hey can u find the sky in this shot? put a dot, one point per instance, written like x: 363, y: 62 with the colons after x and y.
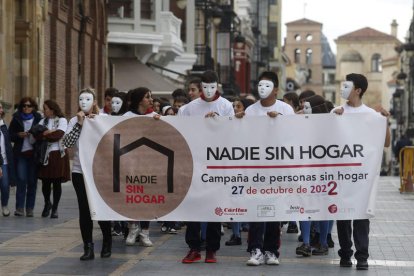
x: 340, y: 17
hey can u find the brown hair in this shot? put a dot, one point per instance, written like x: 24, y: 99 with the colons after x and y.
x: 55, y: 107
x: 27, y: 99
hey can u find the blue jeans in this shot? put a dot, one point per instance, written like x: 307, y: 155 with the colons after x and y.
x: 26, y: 182
x: 4, y: 186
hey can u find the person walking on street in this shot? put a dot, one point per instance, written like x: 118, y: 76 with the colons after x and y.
x: 352, y: 90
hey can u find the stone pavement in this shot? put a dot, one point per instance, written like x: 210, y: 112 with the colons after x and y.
x: 44, y: 246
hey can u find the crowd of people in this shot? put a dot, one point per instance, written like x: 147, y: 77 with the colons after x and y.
x: 35, y: 146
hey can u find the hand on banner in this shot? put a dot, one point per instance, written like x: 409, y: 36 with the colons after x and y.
x: 81, y: 117
x: 383, y: 112
x: 240, y: 115
x: 339, y: 111
x: 272, y: 114
x: 211, y: 114
x: 157, y: 116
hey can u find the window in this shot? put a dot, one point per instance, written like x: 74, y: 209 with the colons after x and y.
x: 121, y: 8
x: 147, y: 9
x: 309, y: 56
x: 297, y: 55
x: 309, y: 37
x: 376, y: 63
x: 297, y: 37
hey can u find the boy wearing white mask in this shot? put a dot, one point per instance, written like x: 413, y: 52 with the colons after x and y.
x: 352, y: 90
x: 209, y: 104
x: 264, y: 238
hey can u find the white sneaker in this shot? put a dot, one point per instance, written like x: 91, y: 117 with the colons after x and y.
x: 144, y: 238
x: 133, y: 233
x: 6, y: 211
x: 256, y: 257
x: 270, y: 258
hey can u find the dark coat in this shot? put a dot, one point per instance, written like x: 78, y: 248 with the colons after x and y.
x: 9, y: 155
x: 17, y: 126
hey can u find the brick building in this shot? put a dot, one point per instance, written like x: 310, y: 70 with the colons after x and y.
x: 51, y: 48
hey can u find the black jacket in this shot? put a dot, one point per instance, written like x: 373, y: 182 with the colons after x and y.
x: 17, y: 126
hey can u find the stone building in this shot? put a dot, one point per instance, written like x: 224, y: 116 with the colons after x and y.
x: 371, y: 53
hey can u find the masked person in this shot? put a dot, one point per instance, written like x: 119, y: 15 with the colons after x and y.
x: 209, y: 104
x: 109, y: 93
x: 119, y: 104
x: 88, y: 108
x: 264, y: 237
x: 352, y: 90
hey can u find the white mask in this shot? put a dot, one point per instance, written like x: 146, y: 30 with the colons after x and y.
x: 86, y: 102
x: 116, y: 104
x: 265, y: 88
x: 209, y: 89
x: 346, y: 88
x: 307, y: 109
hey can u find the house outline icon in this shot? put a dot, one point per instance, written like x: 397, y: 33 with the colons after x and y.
x: 143, y: 141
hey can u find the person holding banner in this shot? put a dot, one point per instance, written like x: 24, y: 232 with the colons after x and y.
x: 264, y: 237
x: 88, y: 108
x: 209, y: 104
x: 140, y: 105
x: 352, y: 90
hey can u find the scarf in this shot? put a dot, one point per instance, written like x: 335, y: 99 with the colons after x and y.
x: 25, y: 116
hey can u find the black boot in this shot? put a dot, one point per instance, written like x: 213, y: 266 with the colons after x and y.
x: 54, y: 213
x: 106, y: 248
x: 46, y: 209
x: 88, y: 253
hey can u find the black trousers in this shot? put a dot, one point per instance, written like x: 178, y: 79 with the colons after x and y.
x: 213, y: 235
x: 264, y: 236
x: 85, y: 221
x: 57, y: 190
x: 360, y: 233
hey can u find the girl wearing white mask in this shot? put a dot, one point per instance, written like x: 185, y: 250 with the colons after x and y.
x: 88, y: 108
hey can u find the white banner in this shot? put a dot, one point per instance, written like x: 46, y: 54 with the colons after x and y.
x: 301, y: 167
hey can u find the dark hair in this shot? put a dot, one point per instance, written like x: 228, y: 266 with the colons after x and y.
x: 306, y: 94
x: 209, y: 76
x: 360, y: 81
x: 136, y: 96
x: 329, y: 105
x: 246, y: 102
x: 270, y: 76
x: 27, y: 99
x: 196, y: 81
x: 124, y: 107
x: 181, y: 99
x: 55, y: 107
x: 294, y: 98
x: 110, y: 92
x: 178, y: 93
x: 318, y: 104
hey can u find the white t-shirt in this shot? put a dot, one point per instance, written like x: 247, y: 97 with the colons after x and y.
x: 3, y: 145
x: 350, y: 109
x: 27, y: 145
x: 221, y: 106
x: 257, y: 109
x: 61, y: 125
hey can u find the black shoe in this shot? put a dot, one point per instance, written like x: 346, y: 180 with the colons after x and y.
x: 106, y: 248
x: 88, y: 253
x: 46, y: 209
x: 331, y: 243
x: 362, y: 265
x: 233, y: 241
x: 345, y: 262
x: 322, y: 250
x: 54, y: 214
x: 292, y: 229
x: 304, y: 250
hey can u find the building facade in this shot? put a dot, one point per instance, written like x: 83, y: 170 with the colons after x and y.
x: 50, y: 49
